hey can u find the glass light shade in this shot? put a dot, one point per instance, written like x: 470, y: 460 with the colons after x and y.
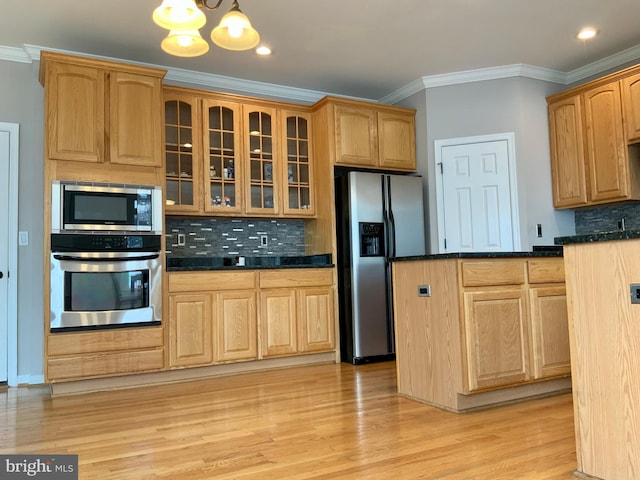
x: 179, y: 15
x: 184, y: 43
x: 235, y: 31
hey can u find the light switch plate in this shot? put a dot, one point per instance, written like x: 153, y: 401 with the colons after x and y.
x: 23, y: 238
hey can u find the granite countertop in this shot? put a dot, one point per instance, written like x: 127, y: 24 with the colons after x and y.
x: 542, y: 251
x: 598, y: 237
x: 181, y: 264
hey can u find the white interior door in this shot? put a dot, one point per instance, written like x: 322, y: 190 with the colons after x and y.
x: 8, y: 251
x: 477, y: 202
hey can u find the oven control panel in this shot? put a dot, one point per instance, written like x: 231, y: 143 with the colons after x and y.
x: 100, y: 243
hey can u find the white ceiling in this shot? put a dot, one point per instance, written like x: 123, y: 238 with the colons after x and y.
x: 359, y: 48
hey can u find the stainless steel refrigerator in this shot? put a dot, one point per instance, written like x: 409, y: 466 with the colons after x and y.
x: 378, y: 216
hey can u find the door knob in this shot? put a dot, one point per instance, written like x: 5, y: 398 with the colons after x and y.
x: 1, y: 274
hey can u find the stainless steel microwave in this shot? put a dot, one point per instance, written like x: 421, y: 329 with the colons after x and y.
x: 86, y: 207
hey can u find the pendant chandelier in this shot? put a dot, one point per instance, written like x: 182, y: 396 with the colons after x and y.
x: 184, y: 18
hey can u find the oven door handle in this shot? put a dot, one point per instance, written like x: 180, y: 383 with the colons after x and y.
x: 73, y: 258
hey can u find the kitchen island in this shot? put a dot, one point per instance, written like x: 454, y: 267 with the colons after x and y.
x: 480, y: 329
x: 603, y: 270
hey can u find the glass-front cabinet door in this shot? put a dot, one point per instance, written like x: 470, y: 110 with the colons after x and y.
x: 222, y: 162
x: 261, y: 153
x: 182, y: 153
x: 297, y: 180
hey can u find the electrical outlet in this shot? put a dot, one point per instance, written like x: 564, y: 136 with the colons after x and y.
x: 539, y: 230
x: 635, y: 293
x: 424, y: 290
x: 264, y: 240
x: 181, y: 240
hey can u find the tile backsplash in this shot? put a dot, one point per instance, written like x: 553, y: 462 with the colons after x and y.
x: 219, y: 237
x: 605, y: 218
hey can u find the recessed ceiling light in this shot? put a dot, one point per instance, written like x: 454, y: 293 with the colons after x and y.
x: 587, y: 33
x: 263, y: 50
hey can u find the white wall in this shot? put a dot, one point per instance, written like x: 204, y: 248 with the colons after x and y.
x: 22, y: 102
x: 487, y: 107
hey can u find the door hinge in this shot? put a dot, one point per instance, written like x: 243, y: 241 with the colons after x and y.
x: 445, y: 243
x: 441, y: 168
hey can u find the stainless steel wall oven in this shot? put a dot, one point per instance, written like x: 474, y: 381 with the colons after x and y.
x: 105, y: 281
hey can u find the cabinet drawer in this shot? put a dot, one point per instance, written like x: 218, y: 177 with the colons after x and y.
x: 211, y: 280
x: 296, y: 277
x: 119, y: 363
x: 546, y: 270
x: 104, y: 341
x: 492, y: 272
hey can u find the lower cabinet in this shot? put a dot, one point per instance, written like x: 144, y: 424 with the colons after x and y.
x: 496, y: 337
x: 228, y: 316
x: 212, y: 317
x: 236, y: 326
x: 82, y: 355
x: 516, y: 332
x: 296, y: 316
x: 550, y: 331
x: 190, y: 329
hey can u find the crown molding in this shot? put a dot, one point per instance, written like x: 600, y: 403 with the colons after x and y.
x: 14, y: 54
x: 31, y: 53
x: 608, y: 63
x: 478, y: 75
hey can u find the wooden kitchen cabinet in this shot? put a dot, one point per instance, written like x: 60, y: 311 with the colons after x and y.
x: 278, y: 322
x: 607, y: 159
x: 102, y: 112
x: 492, y: 329
x: 356, y: 135
x: 396, y: 141
x: 106, y: 353
x: 568, y: 176
x: 190, y: 330
x: 213, y: 317
x: 232, y: 155
x: 182, y: 152
x: 262, y: 160
x: 236, y: 326
x: 591, y: 128
x: 496, y: 337
x: 550, y: 331
x: 223, y: 171
x: 631, y: 106
x: 367, y: 135
x: 316, y: 319
x: 296, y: 312
x: 298, y: 176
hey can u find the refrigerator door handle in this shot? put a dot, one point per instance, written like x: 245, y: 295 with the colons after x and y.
x: 391, y: 224
x: 385, y: 216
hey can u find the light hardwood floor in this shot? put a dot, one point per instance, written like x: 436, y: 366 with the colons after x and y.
x: 314, y: 422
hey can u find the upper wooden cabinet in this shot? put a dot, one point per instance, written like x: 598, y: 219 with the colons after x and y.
x: 182, y: 151
x: 367, y: 135
x: 102, y: 112
x: 631, y: 106
x: 262, y: 160
x: 222, y: 138
x: 568, y: 176
x: 590, y: 129
x: 298, y: 178
x: 227, y: 155
x: 607, y: 159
